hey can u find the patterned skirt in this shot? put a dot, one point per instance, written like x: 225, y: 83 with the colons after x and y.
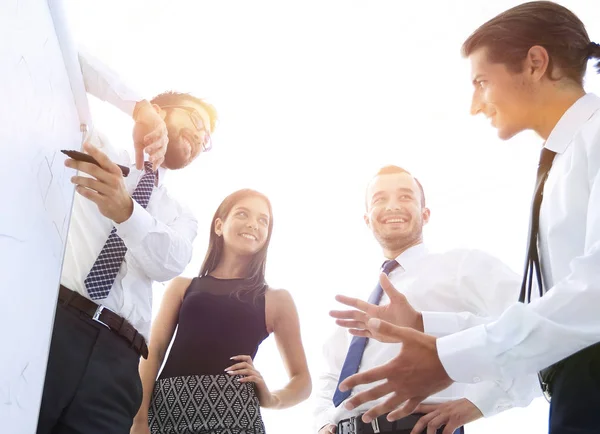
x: 204, y: 404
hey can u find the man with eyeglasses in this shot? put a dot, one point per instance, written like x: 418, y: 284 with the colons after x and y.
x: 125, y: 234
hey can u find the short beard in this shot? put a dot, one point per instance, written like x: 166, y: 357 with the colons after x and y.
x: 395, y: 244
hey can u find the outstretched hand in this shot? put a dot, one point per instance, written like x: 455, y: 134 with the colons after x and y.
x: 413, y: 375
x: 398, y: 312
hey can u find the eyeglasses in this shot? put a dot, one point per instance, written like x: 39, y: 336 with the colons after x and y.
x: 198, y: 124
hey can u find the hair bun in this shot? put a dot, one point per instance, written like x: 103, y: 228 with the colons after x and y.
x: 594, y: 50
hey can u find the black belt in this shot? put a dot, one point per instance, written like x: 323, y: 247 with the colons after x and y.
x: 355, y: 425
x: 547, y: 375
x: 106, y: 317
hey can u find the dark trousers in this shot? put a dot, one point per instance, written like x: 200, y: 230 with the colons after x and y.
x: 575, y: 403
x: 92, y: 382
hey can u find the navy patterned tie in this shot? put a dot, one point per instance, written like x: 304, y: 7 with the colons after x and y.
x: 101, y: 277
x: 359, y: 343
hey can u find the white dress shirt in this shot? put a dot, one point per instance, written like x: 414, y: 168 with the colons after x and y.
x: 158, y: 239
x: 529, y: 337
x: 455, y: 281
x: 105, y: 84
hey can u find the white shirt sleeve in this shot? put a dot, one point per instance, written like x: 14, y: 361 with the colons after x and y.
x: 334, y: 351
x: 489, y: 287
x: 493, y: 397
x: 106, y: 85
x: 440, y: 324
x: 161, y: 250
x: 528, y: 338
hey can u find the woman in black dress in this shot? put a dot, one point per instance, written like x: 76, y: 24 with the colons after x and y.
x: 209, y: 384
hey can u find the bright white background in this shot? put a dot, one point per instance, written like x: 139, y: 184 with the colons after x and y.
x: 313, y: 98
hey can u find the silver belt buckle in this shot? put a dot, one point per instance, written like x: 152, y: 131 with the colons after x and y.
x: 375, y: 426
x: 97, y: 314
x: 353, y: 427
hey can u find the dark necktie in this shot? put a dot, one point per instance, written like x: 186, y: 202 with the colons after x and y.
x: 532, y: 263
x: 101, y: 277
x: 358, y: 343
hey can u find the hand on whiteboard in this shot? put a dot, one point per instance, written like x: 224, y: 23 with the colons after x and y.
x: 106, y: 188
x: 149, y: 135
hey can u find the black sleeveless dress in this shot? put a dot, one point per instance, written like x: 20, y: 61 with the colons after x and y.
x: 193, y: 394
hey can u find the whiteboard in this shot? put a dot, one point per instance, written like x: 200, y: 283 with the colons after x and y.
x: 38, y: 117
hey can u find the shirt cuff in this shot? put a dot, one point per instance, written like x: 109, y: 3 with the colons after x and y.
x: 440, y: 324
x: 465, y: 356
x: 136, y: 227
x: 488, y: 397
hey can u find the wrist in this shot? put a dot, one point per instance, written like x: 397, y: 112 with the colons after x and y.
x: 141, y: 418
x: 127, y: 212
x: 141, y: 107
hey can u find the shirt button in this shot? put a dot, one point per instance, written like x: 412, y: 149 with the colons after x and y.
x: 476, y: 379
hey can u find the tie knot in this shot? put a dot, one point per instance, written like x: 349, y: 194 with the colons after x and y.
x: 389, y: 266
x: 148, y: 167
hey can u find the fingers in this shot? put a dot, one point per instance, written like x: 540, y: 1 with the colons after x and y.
x: 384, y: 331
x: 243, y: 358
x: 156, y: 136
x: 251, y: 379
x: 427, y: 408
x: 367, y: 395
x: 405, y: 409
x: 385, y: 407
x: 435, y: 423
x: 91, y: 184
x: 354, y: 302
x: 91, y: 169
x: 423, y: 422
x: 365, y: 333
x: 89, y: 194
x: 389, y: 289
x: 242, y: 365
x: 102, y: 159
x: 139, y: 158
x: 351, y: 324
x: 246, y: 372
x: 156, y: 151
x: 245, y: 362
x: 450, y: 427
x: 349, y: 314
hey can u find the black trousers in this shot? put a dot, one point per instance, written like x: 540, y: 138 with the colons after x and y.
x: 92, y: 382
x: 575, y: 403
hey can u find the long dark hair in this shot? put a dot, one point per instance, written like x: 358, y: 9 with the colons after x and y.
x: 509, y: 36
x: 255, y: 279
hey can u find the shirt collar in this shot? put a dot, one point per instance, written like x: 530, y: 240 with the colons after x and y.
x: 412, y: 255
x: 570, y: 122
x: 161, y: 172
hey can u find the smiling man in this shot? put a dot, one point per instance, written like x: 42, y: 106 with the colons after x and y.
x: 528, y: 65
x: 454, y: 281
x: 125, y: 234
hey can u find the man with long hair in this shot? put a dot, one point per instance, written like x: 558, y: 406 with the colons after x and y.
x: 528, y: 65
